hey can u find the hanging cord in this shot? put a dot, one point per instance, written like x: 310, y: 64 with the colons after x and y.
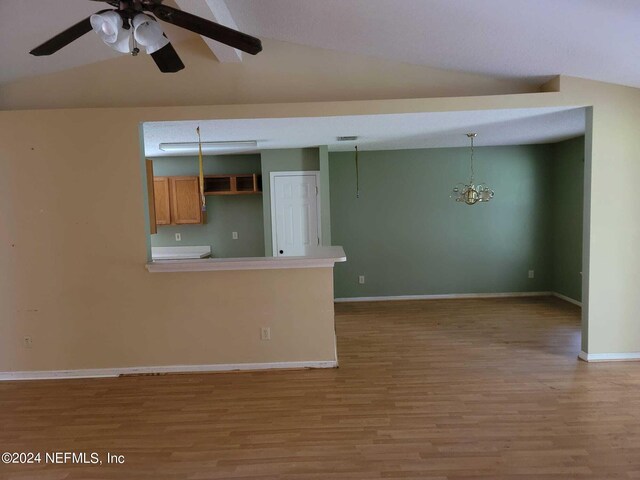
x: 471, y: 136
x: 201, y: 175
x: 357, y: 176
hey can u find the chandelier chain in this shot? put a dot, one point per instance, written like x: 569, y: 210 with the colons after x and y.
x: 472, y: 161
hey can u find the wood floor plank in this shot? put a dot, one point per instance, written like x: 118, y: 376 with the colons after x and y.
x: 437, y: 390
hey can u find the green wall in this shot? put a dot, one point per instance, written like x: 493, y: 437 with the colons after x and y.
x: 282, y: 160
x: 408, y: 237
x: 225, y: 214
x: 568, y: 193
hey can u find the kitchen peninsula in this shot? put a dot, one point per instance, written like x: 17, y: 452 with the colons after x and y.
x: 319, y: 258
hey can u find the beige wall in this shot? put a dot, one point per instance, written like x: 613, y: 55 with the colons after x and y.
x: 613, y: 231
x: 72, y: 243
x: 283, y: 72
x: 72, y: 255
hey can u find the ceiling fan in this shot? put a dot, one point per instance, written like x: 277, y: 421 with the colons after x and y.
x: 127, y: 27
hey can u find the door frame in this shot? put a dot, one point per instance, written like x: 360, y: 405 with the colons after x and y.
x: 272, y: 199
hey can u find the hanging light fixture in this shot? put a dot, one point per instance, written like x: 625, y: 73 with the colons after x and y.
x: 471, y: 193
x: 124, y: 35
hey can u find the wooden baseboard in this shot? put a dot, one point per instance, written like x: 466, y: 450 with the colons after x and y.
x: 116, y: 372
x: 443, y: 296
x: 609, y: 357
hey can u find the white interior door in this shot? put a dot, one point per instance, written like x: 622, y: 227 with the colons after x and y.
x: 295, y: 213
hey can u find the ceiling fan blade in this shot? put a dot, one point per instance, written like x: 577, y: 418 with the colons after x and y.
x: 113, y: 3
x: 167, y: 59
x: 64, y: 38
x: 209, y: 29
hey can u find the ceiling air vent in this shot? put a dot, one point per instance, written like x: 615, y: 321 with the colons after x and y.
x: 348, y: 138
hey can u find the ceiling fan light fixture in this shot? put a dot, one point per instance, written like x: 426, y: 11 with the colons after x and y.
x: 110, y: 29
x: 116, y: 28
x: 148, y: 33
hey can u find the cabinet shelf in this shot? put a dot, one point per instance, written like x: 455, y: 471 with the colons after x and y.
x: 239, y: 184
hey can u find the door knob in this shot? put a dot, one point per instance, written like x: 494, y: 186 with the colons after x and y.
x: 281, y: 252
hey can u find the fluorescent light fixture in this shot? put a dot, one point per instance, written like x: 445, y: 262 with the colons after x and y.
x: 193, y: 146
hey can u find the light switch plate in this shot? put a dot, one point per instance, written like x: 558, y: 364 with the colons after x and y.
x: 178, y: 237
x: 234, y: 235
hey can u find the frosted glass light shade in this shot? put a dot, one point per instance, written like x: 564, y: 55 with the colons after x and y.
x: 108, y: 26
x: 148, y: 33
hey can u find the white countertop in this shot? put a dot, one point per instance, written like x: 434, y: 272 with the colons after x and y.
x: 179, y: 253
x: 320, y: 257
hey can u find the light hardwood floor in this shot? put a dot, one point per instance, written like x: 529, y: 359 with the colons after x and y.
x: 440, y: 389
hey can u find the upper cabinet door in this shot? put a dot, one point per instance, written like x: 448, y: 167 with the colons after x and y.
x: 162, y: 200
x: 185, y: 200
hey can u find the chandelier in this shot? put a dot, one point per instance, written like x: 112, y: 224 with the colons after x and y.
x: 471, y: 193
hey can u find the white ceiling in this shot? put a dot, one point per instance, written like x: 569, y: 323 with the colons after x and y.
x: 596, y: 39
x: 379, y: 132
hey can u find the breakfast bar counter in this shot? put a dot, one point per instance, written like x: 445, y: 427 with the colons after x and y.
x: 321, y: 257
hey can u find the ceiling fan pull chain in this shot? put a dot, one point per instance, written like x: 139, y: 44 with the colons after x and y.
x: 135, y: 50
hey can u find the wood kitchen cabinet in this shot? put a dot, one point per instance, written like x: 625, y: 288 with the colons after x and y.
x: 162, y: 200
x: 238, y: 184
x: 185, y: 200
x: 177, y: 200
x: 151, y: 202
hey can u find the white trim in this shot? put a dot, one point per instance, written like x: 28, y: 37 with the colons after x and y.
x: 609, y: 357
x: 115, y: 372
x: 443, y: 296
x: 566, y: 299
x: 322, y: 257
x: 272, y: 183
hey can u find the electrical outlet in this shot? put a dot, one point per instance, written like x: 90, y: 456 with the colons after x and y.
x: 234, y: 235
x: 531, y: 274
x: 265, y: 333
x: 27, y: 341
x: 361, y: 279
x: 178, y: 237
